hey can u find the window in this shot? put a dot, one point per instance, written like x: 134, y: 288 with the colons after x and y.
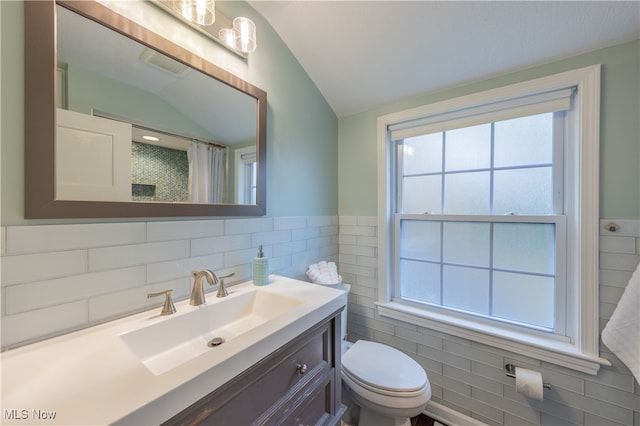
x: 465, y: 201
x: 489, y: 216
x: 246, y: 175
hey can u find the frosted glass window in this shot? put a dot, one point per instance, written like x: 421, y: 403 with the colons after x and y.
x: 469, y: 258
x: 467, y: 193
x: 523, y: 191
x: 420, y: 240
x: 525, y: 247
x: 422, y: 154
x: 527, y: 299
x: 421, y: 194
x: 468, y: 148
x: 466, y: 243
x: 420, y: 281
x: 466, y: 289
x: 523, y: 141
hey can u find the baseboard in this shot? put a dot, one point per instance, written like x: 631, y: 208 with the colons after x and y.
x: 449, y: 416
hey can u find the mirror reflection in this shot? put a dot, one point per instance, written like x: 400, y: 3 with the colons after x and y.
x: 136, y: 125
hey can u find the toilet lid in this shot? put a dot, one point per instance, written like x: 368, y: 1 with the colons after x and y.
x: 383, y: 367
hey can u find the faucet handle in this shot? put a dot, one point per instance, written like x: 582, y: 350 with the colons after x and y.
x: 168, y: 307
x: 222, y: 290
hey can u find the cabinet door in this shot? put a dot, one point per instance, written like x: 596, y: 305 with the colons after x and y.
x: 93, y: 158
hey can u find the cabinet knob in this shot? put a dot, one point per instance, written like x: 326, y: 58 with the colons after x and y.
x: 301, y: 368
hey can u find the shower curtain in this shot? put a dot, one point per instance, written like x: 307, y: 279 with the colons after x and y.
x: 207, y: 171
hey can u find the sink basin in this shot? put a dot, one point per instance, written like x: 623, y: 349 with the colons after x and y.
x: 179, y: 338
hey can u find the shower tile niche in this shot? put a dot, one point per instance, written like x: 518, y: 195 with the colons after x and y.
x: 159, y: 173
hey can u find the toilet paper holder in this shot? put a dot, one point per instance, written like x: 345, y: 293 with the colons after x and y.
x: 511, y: 372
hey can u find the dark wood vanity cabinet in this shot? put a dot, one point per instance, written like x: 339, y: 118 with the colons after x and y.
x: 298, y: 384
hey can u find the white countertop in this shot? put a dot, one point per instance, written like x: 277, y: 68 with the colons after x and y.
x: 90, y: 377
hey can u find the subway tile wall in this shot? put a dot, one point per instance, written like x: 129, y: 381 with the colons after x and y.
x: 60, y: 278
x: 469, y: 377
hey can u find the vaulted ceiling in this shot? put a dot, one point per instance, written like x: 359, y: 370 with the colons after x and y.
x: 362, y: 54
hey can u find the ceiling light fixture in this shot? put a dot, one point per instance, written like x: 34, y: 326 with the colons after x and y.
x: 242, y: 36
x: 245, y: 34
x: 238, y: 35
x: 201, y: 12
x: 228, y: 37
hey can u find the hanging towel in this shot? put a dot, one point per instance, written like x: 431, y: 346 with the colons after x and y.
x: 622, y: 332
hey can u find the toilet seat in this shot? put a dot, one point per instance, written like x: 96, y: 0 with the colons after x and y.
x: 384, y: 370
x: 355, y: 382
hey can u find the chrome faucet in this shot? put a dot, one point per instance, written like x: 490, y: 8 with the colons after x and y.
x: 197, y: 293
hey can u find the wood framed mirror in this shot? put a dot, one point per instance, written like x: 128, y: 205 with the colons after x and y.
x: 43, y: 195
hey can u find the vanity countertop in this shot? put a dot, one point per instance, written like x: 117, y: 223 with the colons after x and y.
x: 90, y: 377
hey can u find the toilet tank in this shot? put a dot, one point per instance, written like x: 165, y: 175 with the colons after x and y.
x: 343, y: 316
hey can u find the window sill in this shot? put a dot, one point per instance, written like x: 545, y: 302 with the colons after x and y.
x: 559, y: 353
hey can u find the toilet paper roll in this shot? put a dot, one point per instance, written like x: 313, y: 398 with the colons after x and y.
x: 529, y: 383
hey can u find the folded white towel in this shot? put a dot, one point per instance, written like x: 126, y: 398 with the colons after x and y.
x: 324, y: 273
x: 622, y: 332
x: 314, y: 273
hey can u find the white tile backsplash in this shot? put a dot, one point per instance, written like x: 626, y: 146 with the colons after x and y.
x: 289, y: 223
x: 609, y: 244
x: 222, y: 244
x: 114, y: 305
x: 177, y: 230
x: 248, y: 226
x: 171, y: 269
x: 48, y: 238
x: 271, y: 237
x: 138, y: 254
x: 33, y: 267
x: 40, y: 294
x: 57, y: 278
x: 42, y: 323
x: 3, y: 241
x: 290, y: 247
x: 321, y: 221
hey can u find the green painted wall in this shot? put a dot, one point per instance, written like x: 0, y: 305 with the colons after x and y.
x: 302, y: 130
x: 87, y: 90
x: 619, y: 133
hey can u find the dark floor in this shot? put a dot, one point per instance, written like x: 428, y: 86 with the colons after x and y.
x: 422, y: 420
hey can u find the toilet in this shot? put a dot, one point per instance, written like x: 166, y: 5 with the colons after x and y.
x: 380, y: 384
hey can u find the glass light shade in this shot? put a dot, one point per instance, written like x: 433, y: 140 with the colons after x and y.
x: 245, y: 31
x: 228, y: 37
x: 201, y: 12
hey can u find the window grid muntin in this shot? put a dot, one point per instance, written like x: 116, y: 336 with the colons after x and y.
x: 558, y: 135
x: 559, y: 222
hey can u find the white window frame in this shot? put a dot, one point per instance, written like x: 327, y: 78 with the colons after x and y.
x: 582, y: 199
x: 243, y: 188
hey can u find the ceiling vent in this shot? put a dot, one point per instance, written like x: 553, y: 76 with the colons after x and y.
x: 163, y: 62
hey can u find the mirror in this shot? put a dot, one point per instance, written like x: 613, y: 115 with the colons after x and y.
x: 64, y: 173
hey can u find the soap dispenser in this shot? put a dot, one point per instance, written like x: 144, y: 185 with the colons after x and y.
x: 260, y: 268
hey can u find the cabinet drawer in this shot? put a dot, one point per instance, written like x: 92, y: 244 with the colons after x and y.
x: 281, y: 377
x: 311, y: 406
